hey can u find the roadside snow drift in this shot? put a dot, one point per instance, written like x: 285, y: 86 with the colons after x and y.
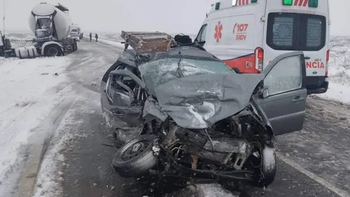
x: 29, y: 91
x: 339, y: 70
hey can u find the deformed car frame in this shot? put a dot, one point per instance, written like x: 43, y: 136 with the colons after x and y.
x: 182, y: 112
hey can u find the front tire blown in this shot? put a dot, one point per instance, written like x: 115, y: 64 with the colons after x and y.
x: 136, y: 157
x: 266, y: 172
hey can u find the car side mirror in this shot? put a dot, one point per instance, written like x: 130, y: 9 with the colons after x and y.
x: 264, y: 92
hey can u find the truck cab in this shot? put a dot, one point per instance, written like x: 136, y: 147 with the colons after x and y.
x: 248, y: 34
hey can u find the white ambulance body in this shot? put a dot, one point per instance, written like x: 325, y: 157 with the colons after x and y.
x: 248, y: 34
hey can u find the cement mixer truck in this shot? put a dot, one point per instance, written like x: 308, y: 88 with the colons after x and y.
x: 51, y: 25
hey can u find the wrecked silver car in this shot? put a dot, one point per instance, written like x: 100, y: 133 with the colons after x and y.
x: 180, y: 111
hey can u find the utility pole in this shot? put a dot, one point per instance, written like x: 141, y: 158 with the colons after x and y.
x: 3, y: 18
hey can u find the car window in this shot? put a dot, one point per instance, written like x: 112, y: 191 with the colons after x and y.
x: 285, y: 76
x: 161, y: 71
x: 292, y: 31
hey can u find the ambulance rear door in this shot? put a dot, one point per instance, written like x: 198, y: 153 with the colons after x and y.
x: 298, y: 25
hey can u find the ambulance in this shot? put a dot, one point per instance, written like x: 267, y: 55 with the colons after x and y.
x: 248, y: 34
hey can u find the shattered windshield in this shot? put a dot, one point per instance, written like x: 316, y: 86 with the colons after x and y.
x: 161, y: 71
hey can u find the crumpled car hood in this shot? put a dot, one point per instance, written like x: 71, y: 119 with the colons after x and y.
x: 199, y: 101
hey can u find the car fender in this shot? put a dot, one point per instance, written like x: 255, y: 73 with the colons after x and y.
x: 50, y: 43
x: 260, y: 112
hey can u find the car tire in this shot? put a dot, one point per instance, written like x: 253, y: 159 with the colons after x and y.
x: 136, y: 157
x: 265, y: 174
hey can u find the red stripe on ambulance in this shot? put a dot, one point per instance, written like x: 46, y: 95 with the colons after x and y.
x: 301, y: 3
x: 305, y: 2
x: 243, y: 2
x: 245, y: 64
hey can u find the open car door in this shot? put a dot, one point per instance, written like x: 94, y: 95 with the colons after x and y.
x: 283, y: 97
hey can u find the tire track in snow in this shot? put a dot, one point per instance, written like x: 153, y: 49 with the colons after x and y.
x: 39, y: 146
x: 10, y: 129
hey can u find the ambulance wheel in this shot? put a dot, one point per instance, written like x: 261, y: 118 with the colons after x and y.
x: 52, y: 51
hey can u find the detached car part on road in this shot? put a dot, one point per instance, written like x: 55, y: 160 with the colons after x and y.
x: 182, y: 112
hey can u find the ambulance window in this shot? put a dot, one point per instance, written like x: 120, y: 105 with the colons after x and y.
x: 202, y: 33
x: 297, y: 32
x: 283, y: 31
x: 313, y: 35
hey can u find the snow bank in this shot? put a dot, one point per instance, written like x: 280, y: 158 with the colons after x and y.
x: 27, y: 96
x: 20, y: 39
x: 50, y: 176
x: 339, y: 70
x: 112, y: 43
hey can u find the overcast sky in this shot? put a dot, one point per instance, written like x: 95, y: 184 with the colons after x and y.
x: 172, y: 16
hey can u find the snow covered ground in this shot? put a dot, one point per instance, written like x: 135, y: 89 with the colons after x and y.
x: 339, y: 70
x: 28, y: 94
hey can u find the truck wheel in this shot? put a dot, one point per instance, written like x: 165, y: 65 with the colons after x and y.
x: 52, y: 51
x: 136, y: 157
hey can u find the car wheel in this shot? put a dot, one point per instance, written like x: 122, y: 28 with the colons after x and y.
x: 136, y: 157
x: 266, y: 172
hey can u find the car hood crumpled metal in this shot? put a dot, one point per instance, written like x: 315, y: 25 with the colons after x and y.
x: 199, y: 101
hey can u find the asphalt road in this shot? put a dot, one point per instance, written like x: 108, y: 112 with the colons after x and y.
x: 312, y: 162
